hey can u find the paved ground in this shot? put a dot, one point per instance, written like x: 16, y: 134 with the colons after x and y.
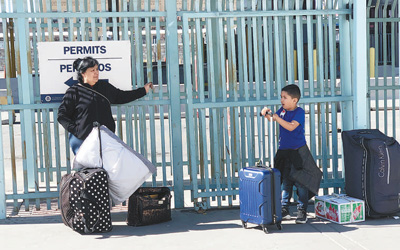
x: 214, y: 229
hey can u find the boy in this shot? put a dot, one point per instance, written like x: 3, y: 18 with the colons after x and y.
x: 292, y: 149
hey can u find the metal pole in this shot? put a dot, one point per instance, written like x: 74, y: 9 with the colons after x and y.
x: 26, y: 96
x: 345, y: 69
x: 175, y: 107
x: 360, y: 65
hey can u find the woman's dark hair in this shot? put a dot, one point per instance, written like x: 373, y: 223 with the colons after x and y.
x: 293, y: 91
x: 81, y: 65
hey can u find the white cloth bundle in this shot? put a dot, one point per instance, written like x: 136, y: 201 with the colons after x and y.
x: 127, y: 170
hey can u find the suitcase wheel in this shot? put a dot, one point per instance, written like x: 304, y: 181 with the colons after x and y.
x: 279, y: 226
x: 265, y: 229
x: 244, y: 224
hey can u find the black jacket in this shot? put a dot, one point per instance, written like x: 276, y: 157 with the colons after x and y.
x: 299, y: 165
x: 83, y: 104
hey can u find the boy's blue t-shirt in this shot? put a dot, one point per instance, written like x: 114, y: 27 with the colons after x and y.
x: 292, y: 139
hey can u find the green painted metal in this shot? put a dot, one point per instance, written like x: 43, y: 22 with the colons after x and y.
x: 360, y: 62
x: 383, y: 66
x: 262, y: 42
x: 235, y: 59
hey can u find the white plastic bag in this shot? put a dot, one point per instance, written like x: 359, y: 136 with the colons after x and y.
x: 127, y: 170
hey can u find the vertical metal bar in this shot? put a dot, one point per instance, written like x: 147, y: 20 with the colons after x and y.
x: 8, y: 49
x: 47, y: 151
x: 310, y: 55
x: 377, y: 48
x: 213, y: 60
x: 394, y: 28
x: 71, y: 28
x: 278, y: 52
x: 369, y: 59
x: 360, y: 69
x: 300, y: 52
x: 104, y: 21
x: 323, y: 132
x: 242, y: 59
x: 49, y: 22
x: 201, y: 112
x: 289, y: 46
x: 345, y: 68
x: 160, y: 96
x: 25, y: 77
x: 246, y: 122
x: 149, y: 64
x: 3, y: 204
x: 226, y: 144
x: 385, y: 62
x: 115, y: 29
x: 256, y: 80
x: 190, y: 116
x: 175, y: 109
x: 93, y: 21
x: 125, y: 32
x: 332, y: 49
x: 233, y: 91
x: 57, y: 147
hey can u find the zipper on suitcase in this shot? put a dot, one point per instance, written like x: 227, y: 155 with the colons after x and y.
x: 363, y: 174
x: 388, y: 161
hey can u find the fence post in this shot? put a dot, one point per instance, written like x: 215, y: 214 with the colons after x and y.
x: 175, y: 107
x: 3, y: 207
x: 345, y: 69
x: 25, y: 83
x: 360, y: 88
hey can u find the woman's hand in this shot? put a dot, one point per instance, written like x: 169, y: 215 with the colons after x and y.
x: 148, y: 86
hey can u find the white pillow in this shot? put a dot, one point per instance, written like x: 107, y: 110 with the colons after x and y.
x: 127, y: 170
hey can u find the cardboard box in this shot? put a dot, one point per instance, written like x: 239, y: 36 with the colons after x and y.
x: 340, y: 209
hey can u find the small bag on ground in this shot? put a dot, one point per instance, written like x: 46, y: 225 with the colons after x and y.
x: 149, y: 205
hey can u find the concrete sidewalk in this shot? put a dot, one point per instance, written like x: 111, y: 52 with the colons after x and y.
x: 214, y: 229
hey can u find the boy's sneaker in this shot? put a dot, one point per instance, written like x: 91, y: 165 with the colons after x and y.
x: 285, y: 214
x: 301, y: 217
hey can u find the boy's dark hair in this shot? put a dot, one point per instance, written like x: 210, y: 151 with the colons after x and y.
x: 292, y: 90
x: 81, y: 65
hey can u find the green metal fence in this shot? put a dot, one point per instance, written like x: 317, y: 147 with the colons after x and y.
x: 217, y: 63
x: 248, y: 57
x: 383, y: 71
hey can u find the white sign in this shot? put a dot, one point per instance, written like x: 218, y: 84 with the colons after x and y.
x: 56, y: 65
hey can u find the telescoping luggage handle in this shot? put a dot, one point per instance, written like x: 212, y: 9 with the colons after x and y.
x: 97, y: 125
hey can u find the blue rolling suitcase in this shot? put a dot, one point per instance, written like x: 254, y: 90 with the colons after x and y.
x: 260, y: 195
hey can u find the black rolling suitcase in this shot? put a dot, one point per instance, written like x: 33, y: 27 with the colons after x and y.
x: 85, y: 201
x: 372, y: 170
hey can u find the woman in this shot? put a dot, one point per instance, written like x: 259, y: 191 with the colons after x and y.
x: 90, y: 101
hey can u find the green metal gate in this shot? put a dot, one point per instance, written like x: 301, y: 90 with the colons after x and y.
x: 216, y: 64
x: 383, y: 60
x: 34, y: 149
x: 237, y: 58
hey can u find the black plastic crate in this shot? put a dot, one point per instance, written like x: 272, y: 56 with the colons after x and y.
x: 149, y: 205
